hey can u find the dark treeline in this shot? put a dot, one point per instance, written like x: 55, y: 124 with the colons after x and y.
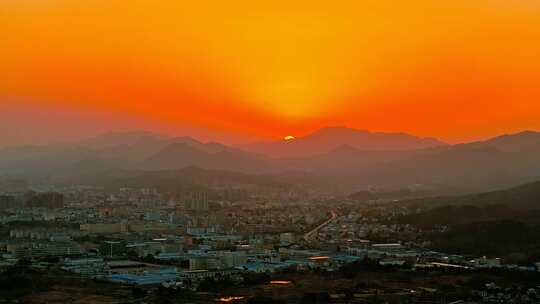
x: 468, y: 214
x: 508, y: 238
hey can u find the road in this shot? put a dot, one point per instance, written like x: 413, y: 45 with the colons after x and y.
x: 311, y: 233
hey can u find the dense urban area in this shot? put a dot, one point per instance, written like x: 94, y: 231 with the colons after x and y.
x: 88, y: 244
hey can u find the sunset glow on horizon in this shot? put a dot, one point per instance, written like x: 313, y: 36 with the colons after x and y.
x: 450, y: 69
x: 289, y: 137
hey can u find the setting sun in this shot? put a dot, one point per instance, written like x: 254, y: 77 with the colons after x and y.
x: 289, y: 137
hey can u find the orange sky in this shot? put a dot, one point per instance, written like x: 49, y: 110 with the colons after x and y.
x: 456, y: 70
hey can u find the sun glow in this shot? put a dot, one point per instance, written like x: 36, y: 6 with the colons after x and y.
x: 289, y: 137
x: 284, y: 67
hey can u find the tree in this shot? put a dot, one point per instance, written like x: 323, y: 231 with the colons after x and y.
x: 139, y: 293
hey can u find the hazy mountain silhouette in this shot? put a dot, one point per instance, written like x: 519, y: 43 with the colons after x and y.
x: 327, y: 139
x: 344, y: 157
x: 29, y: 160
x: 494, y: 163
x: 115, y: 139
x: 522, y: 197
x: 140, y: 145
x: 214, y: 156
x: 522, y: 141
x: 349, y: 167
x: 174, y: 181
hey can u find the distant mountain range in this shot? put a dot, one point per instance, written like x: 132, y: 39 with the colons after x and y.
x: 210, y: 156
x: 328, y: 139
x: 177, y: 181
x: 522, y: 197
x: 333, y: 159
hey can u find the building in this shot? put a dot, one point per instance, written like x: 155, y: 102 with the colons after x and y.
x: 263, y: 267
x: 485, y: 262
x: 7, y: 202
x: 196, y: 201
x: 146, y: 278
x: 200, y: 230
x: 199, y: 275
x: 217, y: 260
x: 104, y: 228
x: 45, y: 234
x: 286, y: 238
x: 390, y: 247
x: 86, y: 267
x: 51, y: 200
x: 145, y: 226
x: 13, y: 185
x: 43, y: 248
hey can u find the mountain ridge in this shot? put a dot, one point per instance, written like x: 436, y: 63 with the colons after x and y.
x: 327, y: 139
x: 483, y: 165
